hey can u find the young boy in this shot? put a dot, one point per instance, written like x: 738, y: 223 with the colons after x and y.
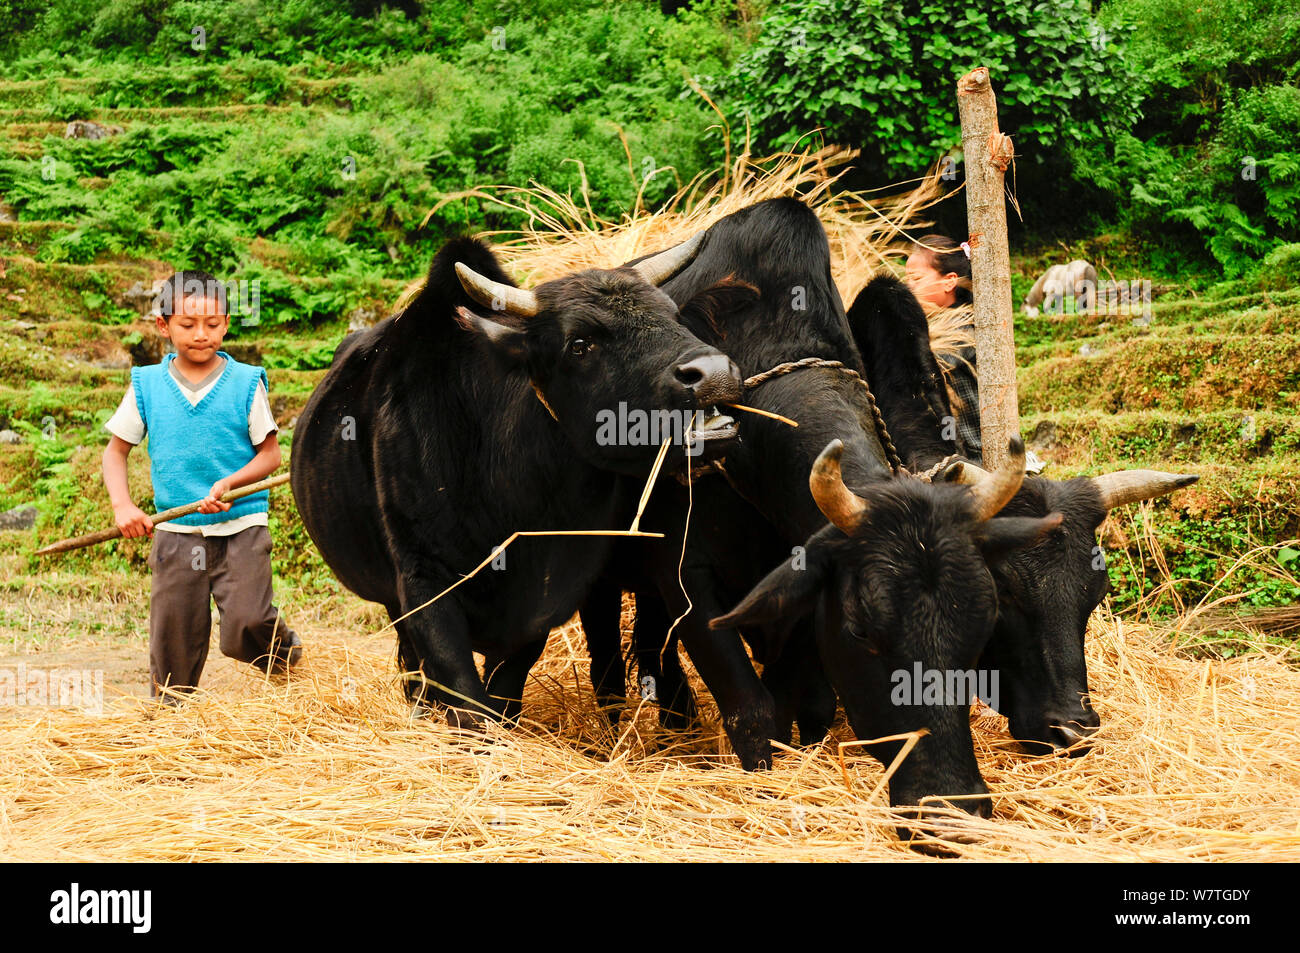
x: 210, y: 431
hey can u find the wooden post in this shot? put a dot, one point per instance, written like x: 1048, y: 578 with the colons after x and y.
x: 987, y: 154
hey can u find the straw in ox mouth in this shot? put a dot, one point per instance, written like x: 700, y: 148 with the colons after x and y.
x: 713, y: 425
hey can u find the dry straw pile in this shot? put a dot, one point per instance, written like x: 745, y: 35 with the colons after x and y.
x: 1195, y: 760
x: 866, y: 230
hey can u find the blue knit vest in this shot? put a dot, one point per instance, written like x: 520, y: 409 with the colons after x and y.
x: 191, y: 447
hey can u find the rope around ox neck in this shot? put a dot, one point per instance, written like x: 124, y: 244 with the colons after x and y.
x: 882, y: 432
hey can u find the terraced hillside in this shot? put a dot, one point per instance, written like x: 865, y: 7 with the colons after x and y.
x: 1206, y: 386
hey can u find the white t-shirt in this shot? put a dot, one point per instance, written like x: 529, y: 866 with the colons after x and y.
x: 127, y: 423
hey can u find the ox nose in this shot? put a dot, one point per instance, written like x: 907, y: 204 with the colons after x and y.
x: 713, y: 378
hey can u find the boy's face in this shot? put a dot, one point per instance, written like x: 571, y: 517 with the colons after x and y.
x: 196, y: 328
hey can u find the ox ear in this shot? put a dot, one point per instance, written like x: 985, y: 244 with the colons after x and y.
x: 787, y: 593
x: 711, y: 307
x: 508, y: 343
x: 1003, y: 535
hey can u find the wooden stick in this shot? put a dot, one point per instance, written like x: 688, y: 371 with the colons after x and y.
x: 104, y: 535
x: 987, y: 153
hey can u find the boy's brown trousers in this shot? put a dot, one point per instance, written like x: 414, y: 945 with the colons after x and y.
x: 188, y: 569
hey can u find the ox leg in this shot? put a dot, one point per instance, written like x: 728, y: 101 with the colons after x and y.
x: 748, y: 713
x: 800, y: 688
x: 780, y: 677
x: 814, y: 697
x: 600, y: 615
x: 657, y: 659
x: 506, y: 676
x: 434, y: 642
x: 816, y: 711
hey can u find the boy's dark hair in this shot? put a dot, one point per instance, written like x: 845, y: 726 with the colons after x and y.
x: 948, y: 256
x: 188, y: 284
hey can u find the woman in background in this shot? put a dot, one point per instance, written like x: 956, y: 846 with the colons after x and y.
x: 938, y: 272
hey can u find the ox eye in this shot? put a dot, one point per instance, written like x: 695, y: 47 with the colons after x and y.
x: 579, y: 347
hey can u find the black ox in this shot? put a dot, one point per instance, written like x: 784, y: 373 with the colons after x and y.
x: 1046, y: 592
x: 440, y: 431
x: 900, y: 575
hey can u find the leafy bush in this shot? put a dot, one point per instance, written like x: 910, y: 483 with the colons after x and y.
x: 882, y: 76
x: 1235, y: 196
x: 1213, y: 167
x: 1280, y: 270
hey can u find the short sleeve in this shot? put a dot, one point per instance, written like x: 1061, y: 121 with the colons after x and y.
x: 261, y: 421
x: 126, y: 422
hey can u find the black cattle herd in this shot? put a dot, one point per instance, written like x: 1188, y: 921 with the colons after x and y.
x: 471, y: 414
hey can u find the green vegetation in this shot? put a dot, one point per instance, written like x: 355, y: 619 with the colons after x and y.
x: 1179, y: 123
x: 881, y: 76
x: 1214, y: 162
x: 307, y: 145
x: 331, y: 150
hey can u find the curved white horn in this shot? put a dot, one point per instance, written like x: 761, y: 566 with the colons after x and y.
x: 837, y: 502
x: 964, y: 472
x: 1130, y: 486
x: 664, y: 265
x: 494, y: 294
x: 995, y: 490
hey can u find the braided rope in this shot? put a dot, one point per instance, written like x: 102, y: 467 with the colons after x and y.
x: 929, y: 475
x: 882, y: 432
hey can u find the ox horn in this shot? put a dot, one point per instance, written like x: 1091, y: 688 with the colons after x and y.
x: 1130, y: 486
x: 838, y: 503
x: 495, y: 294
x: 993, y: 490
x: 659, y: 268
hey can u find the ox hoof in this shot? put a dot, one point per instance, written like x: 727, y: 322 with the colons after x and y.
x: 1064, y: 739
x: 750, y: 733
x: 1074, y: 739
x: 754, y: 755
x: 419, y: 713
x: 940, y: 834
x: 467, y: 721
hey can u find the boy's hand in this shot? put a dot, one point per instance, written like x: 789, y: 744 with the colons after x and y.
x: 212, y: 502
x: 132, y: 521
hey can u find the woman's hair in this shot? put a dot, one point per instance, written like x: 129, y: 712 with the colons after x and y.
x: 948, y: 256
